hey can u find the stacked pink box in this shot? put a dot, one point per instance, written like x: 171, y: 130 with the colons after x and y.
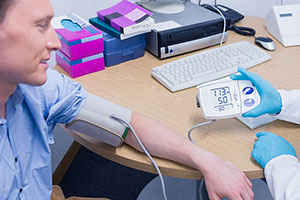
x: 82, y: 46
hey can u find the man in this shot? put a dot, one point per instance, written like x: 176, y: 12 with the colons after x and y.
x: 276, y: 155
x: 34, y: 98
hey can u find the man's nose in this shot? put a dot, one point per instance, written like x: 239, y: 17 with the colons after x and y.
x: 53, y: 42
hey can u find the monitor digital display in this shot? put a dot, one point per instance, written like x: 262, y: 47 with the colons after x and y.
x: 221, y: 98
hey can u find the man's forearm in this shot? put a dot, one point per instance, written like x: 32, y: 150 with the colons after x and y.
x: 164, y: 142
x: 222, y: 179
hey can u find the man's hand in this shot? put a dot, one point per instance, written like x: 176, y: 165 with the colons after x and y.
x: 223, y: 179
x: 269, y: 146
x: 270, y: 99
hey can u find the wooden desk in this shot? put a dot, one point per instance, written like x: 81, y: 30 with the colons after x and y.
x: 130, y: 84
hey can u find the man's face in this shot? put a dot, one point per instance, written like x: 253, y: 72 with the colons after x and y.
x: 26, y: 40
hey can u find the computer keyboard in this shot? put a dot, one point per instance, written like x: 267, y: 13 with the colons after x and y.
x: 208, y: 65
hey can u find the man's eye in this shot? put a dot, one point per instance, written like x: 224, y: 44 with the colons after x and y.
x: 43, y: 26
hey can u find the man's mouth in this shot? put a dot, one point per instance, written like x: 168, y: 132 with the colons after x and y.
x: 44, y: 61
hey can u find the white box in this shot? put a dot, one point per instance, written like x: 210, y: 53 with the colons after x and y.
x: 254, y: 122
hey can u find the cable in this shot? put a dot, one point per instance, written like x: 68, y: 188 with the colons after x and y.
x: 196, y: 126
x: 146, y: 152
x: 224, y: 23
x: 246, y: 31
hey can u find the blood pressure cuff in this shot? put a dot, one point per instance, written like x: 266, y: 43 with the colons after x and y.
x: 94, y: 120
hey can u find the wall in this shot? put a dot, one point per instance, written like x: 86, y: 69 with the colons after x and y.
x: 88, y: 8
x: 250, y: 7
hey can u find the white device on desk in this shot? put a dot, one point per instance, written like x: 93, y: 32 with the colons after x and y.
x: 227, y: 98
x: 283, y: 22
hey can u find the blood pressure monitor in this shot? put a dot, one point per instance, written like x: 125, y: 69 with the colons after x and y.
x: 226, y: 98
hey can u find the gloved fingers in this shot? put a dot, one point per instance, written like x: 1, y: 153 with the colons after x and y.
x: 267, y: 105
x: 254, y: 145
x: 254, y: 150
x: 250, y: 114
x: 254, y: 78
x: 259, y: 134
x: 254, y: 154
x: 245, y: 75
x: 243, y: 71
x: 284, y: 140
x: 255, y: 112
x: 238, y: 77
x: 257, y: 157
x: 257, y: 146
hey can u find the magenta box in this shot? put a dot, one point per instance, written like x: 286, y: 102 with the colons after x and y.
x: 123, y: 14
x: 81, y: 66
x: 79, y: 39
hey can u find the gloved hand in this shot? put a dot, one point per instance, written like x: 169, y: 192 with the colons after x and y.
x: 269, y: 146
x: 270, y: 99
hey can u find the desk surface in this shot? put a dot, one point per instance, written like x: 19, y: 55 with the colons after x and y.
x: 130, y: 84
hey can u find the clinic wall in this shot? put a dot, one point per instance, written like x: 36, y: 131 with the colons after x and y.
x: 88, y: 8
x: 84, y: 8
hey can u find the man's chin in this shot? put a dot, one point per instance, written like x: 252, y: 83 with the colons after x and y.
x: 40, y: 83
x: 41, y: 80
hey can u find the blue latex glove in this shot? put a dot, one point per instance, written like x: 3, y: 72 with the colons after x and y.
x: 269, y: 146
x: 270, y: 99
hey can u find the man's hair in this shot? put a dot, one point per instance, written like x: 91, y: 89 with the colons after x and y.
x: 4, y: 5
